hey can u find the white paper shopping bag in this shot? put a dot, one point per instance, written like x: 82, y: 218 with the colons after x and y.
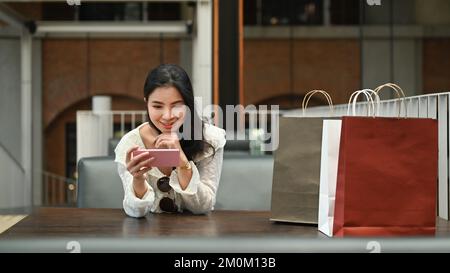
x: 331, y: 136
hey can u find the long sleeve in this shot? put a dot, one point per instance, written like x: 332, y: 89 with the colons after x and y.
x: 200, y: 195
x: 132, y: 205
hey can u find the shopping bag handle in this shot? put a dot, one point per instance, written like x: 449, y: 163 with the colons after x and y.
x: 311, y: 93
x: 398, y: 91
x: 368, y: 93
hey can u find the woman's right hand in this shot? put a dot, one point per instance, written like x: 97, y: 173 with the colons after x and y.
x: 138, y: 165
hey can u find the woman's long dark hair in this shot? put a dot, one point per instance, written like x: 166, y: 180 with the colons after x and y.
x: 171, y: 75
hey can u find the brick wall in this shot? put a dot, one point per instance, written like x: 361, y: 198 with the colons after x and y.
x: 436, y: 65
x: 55, y: 137
x: 331, y: 65
x: 31, y: 11
x: 118, y: 68
x: 75, y: 69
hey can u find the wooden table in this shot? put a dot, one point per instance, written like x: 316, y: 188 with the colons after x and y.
x: 104, y: 230
x: 7, y: 221
x: 74, y: 222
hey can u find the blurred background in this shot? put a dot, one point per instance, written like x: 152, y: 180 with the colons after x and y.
x: 71, y: 76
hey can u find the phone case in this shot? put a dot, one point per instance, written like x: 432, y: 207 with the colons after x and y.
x: 163, y: 157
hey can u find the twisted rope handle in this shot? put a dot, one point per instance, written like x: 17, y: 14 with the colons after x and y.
x: 312, y: 93
x: 398, y: 91
x: 368, y: 93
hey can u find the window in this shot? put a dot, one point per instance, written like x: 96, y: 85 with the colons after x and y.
x: 344, y: 12
x: 101, y: 12
x: 164, y: 11
x: 111, y: 11
x: 283, y: 12
x: 58, y: 11
x: 300, y: 12
x: 71, y: 150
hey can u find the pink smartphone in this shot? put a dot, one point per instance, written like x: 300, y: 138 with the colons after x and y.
x: 163, y: 157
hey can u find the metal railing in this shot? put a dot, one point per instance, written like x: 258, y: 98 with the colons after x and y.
x: 96, y: 128
x: 58, y: 190
x: 133, y: 117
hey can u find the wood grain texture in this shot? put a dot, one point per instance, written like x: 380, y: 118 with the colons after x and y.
x: 7, y: 221
x: 114, y: 223
x: 74, y: 222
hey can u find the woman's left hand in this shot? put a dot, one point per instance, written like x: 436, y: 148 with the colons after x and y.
x: 167, y: 141
x: 170, y: 141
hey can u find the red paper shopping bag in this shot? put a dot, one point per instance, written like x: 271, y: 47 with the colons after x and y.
x: 387, y: 176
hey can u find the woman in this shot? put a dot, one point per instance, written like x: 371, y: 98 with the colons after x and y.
x: 193, y: 184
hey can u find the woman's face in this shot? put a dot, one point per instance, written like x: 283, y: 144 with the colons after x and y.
x: 166, y: 109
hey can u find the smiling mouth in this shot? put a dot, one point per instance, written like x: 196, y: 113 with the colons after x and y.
x: 167, y: 126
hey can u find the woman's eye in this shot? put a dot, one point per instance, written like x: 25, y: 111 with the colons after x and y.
x: 179, y: 106
x: 157, y: 106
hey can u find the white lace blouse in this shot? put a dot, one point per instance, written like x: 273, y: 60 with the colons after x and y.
x: 199, y: 196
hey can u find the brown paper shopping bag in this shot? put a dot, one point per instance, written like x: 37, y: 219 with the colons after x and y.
x: 296, y: 175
